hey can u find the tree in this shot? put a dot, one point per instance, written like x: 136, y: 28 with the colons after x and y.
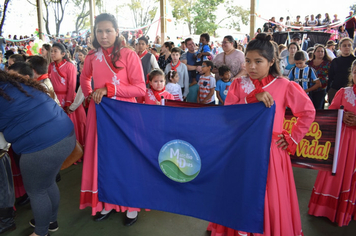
x: 353, y: 8
x: 3, y: 13
x: 182, y: 12
x: 204, y: 19
x: 83, y: 14
x: 58, y: 7
x: 81, y: 6
x: 143, y: 12
x: 236, y: 14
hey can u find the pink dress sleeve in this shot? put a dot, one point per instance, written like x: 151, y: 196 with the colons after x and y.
x: 71, y: 83
x: 136, y: 84
x: 302, y: 107
x: 49, y: 70
x: 337, y: 101
x: 85, y: 76
x: 141, y: 99
x: 233, y: 94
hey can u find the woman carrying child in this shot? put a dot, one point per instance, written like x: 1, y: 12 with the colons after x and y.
x: 334, y: 197
x: 281, y: 212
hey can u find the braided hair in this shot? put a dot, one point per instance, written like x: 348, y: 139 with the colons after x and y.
x: 17, y: 81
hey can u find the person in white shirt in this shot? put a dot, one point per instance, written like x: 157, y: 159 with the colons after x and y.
x: 330, y: 48
x: 172, y: 86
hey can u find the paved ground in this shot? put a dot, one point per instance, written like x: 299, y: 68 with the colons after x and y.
x: 73, y: 221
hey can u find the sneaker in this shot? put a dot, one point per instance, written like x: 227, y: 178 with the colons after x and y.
x: 53, y: 226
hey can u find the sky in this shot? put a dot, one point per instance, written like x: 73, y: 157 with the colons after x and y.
x: 22, y: 19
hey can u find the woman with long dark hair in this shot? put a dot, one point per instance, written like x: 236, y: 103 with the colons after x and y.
x: 46, y: 52
x: 334, y: 196
x: 321, y: 64
x: 43, y: 135
x: 165, y: 57
x: 117, y: 73
x: 265, y: 84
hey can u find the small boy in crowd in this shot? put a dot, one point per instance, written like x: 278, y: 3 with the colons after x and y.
x: 222, y: 86
x: 303, y: 75
x: 207, y: 84
x: 204, y: 49
x: 148, y: 60
x: 181, y: 69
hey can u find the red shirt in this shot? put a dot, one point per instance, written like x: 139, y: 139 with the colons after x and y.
x: 351, y: 23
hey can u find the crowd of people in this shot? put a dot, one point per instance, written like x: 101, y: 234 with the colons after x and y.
x: 54, y: 95
x: 335, y: 27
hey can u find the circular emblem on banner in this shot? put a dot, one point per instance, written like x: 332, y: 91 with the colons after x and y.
x: 179, y: 161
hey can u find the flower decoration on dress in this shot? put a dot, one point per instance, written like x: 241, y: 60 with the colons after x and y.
x: 99, y: 55
x: 63, y: 81
x: 151, y: 95
x: 350, y: 96
x: 247, y: 85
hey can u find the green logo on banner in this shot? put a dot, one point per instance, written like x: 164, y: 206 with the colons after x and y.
x: 179, y: 161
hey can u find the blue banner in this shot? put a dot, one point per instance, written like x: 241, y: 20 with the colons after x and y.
x: 210, y: 163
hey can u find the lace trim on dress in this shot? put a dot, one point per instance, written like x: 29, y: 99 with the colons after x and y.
x: 99, y: 55
x: 350, y: 96
x: 247, y: 85
x: 151, y: 95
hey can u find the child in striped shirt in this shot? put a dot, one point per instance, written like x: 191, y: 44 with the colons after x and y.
x: 303, y: 75
x: 207, y: 84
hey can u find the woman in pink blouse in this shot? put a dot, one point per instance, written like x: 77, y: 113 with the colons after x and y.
x: 117, y: 74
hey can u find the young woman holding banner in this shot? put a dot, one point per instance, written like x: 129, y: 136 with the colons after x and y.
x: 334, y: 197
x: 117, y: 73
x: 264, y: 84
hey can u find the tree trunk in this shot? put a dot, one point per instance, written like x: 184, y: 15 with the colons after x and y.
x: 80, y: 22
x: 46, y: 19
x: 190, y: 28
x: 59, y: 14
x: 6, y: 3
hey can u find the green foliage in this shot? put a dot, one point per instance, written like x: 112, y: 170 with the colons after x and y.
x: 82, y: 12
x: 182, y: 11
x: 353, y: 8
x: 143, y: 11
x: 205, y: 18
x: 237, y: 15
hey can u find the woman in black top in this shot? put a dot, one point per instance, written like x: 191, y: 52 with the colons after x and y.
x: 165, y: 57
x: 340, y: 68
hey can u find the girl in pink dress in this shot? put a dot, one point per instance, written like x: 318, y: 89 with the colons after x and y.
x: 63, y: 75
x: 334, y: 197
x: 157, y: 90
x: 264, y: 84
x: 117, y: 73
